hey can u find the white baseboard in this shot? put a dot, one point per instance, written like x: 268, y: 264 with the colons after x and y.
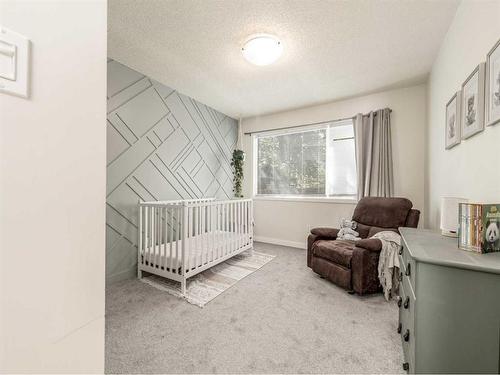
x: 277, y: 241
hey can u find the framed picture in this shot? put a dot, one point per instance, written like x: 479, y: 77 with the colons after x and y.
x: 493, y: 85
x: 472, y: 106
x: 452, y: 127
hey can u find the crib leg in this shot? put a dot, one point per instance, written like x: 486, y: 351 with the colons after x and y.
x: 139, y: 273
x: 183, y: 287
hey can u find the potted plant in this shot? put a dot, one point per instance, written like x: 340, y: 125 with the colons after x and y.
x: 237, y: 164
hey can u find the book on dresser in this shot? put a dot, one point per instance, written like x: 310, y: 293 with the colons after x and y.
x: 449, y: 306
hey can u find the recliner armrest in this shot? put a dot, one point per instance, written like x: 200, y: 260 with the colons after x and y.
x: 323, y: 232
x: 371, y: 244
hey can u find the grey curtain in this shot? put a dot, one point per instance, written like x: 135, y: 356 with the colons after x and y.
x: 372, y: 133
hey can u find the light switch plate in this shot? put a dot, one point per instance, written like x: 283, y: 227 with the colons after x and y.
x: 14, y: 63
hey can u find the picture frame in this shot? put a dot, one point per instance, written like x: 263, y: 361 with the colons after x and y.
x: 453, y: 134
x: 472, y: 102
x: 493, y: 85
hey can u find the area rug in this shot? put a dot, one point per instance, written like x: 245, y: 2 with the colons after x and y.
x: 207, y: 285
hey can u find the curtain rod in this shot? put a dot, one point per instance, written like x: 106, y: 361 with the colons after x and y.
x: 303, y: 125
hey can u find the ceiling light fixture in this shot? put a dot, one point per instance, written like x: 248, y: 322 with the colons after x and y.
x: 262, y: 50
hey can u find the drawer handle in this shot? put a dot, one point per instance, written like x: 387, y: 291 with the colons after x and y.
x: 406, y: 335
x: 400, y: 301
x: 408, y: 272
x: 406, y: 366
x: 400, y: 327
x: 407, y: 303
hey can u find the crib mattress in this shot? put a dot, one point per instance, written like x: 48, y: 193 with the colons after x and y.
x: 200, y: 250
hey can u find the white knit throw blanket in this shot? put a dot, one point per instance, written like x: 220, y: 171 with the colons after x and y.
x: 388, y: 261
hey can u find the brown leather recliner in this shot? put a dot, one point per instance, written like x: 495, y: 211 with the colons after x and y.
x: 353, y: 264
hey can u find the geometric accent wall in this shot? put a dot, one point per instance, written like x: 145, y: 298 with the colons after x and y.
x: 160, y: 145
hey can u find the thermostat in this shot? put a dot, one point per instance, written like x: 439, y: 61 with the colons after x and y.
x: 14, y: 63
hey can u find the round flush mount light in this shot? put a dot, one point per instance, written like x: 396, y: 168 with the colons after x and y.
x: 262, y: 50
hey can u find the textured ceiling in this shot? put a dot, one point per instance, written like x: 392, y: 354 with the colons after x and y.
x: 332, y: 49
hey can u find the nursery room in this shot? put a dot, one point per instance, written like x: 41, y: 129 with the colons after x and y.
x: 249, y: 186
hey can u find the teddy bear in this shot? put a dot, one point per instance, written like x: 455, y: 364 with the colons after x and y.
x: 347, y: 230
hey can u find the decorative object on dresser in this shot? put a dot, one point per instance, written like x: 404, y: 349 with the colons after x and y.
x: 353, y: 265
x: 449, y: 310
x: 493, y: 85
x: 452, y: 125
x: 479, y: 227
x: 449, y: 215
x: 472, y: 105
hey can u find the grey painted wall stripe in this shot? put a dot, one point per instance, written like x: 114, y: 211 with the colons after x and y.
x: 160, y: 145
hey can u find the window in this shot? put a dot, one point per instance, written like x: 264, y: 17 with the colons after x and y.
x: 314, y: 161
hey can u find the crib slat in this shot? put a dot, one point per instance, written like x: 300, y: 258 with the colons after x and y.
x: 235, y: 237
x: 197, y: 238
x: 151, y: 235
x: 161, y: 257
x: 158, y: 236
x: 155, y: 258
x: 172, y: 223
x: 146, y: 234
x: 139, y: 245
x: 244, y: 223
x: 164, y: 261
x: 221, y: 234
x: 185, y: 229
x: 238, y: 224
x: 199, y: 252
x: 200, y: 236
x: 178, y: 253
x: 169, y: 233
x: 231, y: 242
x: 218, y: 229
x: 248, y: 224
x: 242, y: 232
x: 223, y: 227
x: 221, y: 230
x: 228, y: 228
x: 212, y: 230
x: 189, y: 237
x: 158, y: 232
x: 206, y: 233
x: 203, y: 236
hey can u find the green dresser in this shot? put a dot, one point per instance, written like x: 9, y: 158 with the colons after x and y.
x: 449, y: 306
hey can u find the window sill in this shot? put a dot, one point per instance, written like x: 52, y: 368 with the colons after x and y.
x: 344, y: 200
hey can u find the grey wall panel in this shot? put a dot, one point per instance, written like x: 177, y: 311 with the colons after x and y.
x: 116, y: 144
x: 120, y: 77
x: 143, y: 111
x: 128, y: 93
x: 161, y: 145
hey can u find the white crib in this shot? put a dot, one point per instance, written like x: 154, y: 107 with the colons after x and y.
x: 179, y: 239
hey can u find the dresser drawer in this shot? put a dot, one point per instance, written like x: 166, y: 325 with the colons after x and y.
x: 408, y: 265
x: 406, y: 305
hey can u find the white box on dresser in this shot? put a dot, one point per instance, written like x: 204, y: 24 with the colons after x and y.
x: 449, y: 306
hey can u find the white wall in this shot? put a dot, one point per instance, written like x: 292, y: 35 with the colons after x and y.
x: 289, y: 222
x: 52, y: 192
x: 471, y: 169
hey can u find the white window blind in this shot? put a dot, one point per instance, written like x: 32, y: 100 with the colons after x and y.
x: 313, y: 162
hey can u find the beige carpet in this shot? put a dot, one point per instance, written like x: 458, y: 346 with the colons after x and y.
x: 208, y: 284
x: 281, y: 319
